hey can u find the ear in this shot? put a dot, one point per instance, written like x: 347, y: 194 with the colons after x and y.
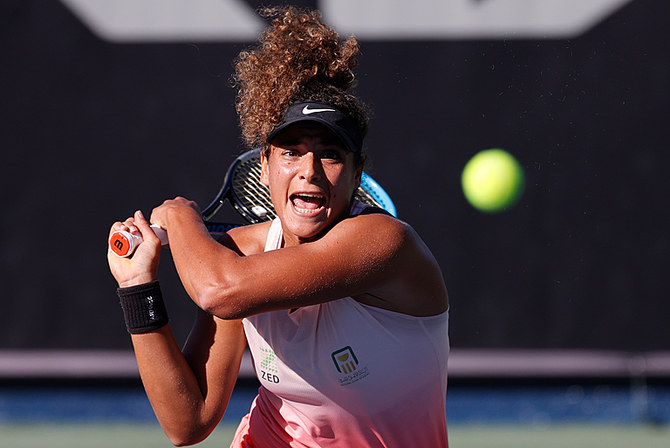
x: 265, y: 169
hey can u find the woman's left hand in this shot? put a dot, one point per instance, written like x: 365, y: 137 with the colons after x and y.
x: 162, y: 214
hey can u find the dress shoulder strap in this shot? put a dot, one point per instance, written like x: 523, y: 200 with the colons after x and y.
x: 275, y: 235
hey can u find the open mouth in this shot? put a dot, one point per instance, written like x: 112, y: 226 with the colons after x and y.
x: 308, y: 203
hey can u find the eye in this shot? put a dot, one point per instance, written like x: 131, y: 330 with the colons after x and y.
x: 334, y: 154
x: 290, y: 153
x: 330, y: 154
x: 286, y: 140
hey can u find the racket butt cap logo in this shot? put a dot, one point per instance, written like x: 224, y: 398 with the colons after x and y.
x: 121, y: 243
x: 124, y: 243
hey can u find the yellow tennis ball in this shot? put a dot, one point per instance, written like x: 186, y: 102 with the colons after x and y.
x: 492, y: 180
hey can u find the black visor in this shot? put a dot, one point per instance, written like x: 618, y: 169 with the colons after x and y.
x: 341, y: 124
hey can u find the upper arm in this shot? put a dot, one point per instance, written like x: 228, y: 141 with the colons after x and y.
x: 375, y: 257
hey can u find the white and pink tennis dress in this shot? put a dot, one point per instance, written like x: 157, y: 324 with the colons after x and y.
x: 344, y: 374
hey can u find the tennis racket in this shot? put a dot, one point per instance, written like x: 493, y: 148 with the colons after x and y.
x: 243, y: 189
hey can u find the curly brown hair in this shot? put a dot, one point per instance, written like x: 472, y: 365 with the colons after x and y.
x: 297, y: 58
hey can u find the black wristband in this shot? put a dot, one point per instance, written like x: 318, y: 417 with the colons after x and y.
x: 143, y: 307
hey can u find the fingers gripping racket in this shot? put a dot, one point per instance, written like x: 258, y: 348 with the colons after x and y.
x: 243, y: 189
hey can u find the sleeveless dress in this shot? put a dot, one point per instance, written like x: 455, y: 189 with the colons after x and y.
x: 345, y: 374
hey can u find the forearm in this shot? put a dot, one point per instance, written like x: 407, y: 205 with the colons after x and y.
x: 172, y: 382
x: 173, y: 389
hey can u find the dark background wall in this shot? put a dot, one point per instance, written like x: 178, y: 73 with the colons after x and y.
x: 92, y: 129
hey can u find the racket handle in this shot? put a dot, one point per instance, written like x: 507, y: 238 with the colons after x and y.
x: 123, y: 243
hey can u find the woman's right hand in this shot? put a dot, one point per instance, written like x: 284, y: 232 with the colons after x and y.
x: 142, y: 267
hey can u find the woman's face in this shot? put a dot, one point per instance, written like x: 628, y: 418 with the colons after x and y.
x: 312, y: 178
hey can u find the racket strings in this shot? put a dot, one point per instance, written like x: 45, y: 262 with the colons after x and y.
x: 251, y: 193
x: 365, y: 197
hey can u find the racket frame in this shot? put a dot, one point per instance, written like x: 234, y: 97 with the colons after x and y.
x: 370, y: 192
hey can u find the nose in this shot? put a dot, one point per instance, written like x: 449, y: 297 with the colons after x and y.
x: 310, y: 167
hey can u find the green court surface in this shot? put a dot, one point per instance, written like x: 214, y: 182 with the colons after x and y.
x: 460, y: 436
x: 98, y: 435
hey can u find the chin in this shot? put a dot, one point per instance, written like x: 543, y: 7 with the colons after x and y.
x: 306, y: 232
x: 305, y: 229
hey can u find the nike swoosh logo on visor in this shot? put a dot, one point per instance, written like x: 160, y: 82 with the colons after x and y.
x: 307, y: 111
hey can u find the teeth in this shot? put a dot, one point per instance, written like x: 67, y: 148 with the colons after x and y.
x: 308, y: 211
x: 308, y: 203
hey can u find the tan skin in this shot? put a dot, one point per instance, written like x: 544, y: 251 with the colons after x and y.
x: 374, y: 258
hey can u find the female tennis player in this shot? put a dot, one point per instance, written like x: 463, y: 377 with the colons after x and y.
x: 342, y: 306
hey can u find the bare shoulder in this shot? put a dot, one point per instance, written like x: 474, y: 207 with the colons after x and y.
x: 371, y: 223
x: 414, y: 283
x: 247, y: 240
x: 379, y: 231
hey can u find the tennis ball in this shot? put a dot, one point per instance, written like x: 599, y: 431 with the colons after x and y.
x: 492, y: 180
